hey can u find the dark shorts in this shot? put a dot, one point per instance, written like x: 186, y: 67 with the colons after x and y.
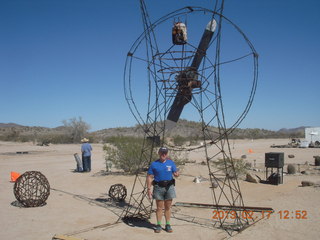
x: 163, y: 193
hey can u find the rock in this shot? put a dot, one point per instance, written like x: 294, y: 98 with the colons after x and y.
x: 249, y: 178
x: 196, y: 180
x: 244, y: 156
x: 307, y: 183
x: 203, y: 163
x: 214, y: 184
x: 290, y: 156
x: 291, y: 169
x: 190, y: 161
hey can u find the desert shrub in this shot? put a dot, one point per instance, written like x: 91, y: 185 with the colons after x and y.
x: 25, y: 138
x: 113, y: 140
x: 225, y: 165
x: 291, y: 169
x: 194, y: 140
x: 12, y: 135
x: 55, y: 138
x: 126, y: 153
x: 179, y: 140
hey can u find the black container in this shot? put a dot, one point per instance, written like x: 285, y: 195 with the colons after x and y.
x: 317, y: 160
x: 274, y: 179
x: 274, y: 160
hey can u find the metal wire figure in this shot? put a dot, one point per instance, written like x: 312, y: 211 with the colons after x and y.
x: 171, y: 74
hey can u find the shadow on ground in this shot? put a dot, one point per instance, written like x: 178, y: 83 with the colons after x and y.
x: 137, y: 222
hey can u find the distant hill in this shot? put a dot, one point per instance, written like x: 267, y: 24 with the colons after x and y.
x: 293, y: 130
x: 184, y: 128
x: 9, y: 125
x: 192, y: 129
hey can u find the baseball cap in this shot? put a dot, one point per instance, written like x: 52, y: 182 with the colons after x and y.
x: 163, y: 150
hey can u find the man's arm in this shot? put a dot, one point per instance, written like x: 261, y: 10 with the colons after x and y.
x: 149, y: 184
x: 175, y: 172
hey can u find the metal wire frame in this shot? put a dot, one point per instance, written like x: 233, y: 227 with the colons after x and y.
x: 32, y: 189
x: 153, y: 76
x: 161, y: 68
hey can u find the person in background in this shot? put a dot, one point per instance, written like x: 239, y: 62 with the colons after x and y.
x: 162, y: 171
x: 86, y: 154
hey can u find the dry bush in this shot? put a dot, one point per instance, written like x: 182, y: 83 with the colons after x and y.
x: 76, y: 128
x: 227, y: 165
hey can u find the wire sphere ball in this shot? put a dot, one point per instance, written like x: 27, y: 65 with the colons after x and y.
x: 32, y: 189
x: 118, y: 192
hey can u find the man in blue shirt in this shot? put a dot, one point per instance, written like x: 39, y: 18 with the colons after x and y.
x: 86, y: 155
x: 162, y: 171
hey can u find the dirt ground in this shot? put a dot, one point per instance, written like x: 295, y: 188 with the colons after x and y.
x: 79, y: 206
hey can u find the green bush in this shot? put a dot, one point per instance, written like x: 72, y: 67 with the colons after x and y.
x: 127, y: 153
x: 179, y: 140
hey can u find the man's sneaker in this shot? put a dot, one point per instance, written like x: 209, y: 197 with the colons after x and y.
x: 168, y: 228
x: 158, y: 229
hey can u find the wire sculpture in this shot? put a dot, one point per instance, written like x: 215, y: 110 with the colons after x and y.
x: 32, y: 189
x: 182, y: 74
x: 118, y: 192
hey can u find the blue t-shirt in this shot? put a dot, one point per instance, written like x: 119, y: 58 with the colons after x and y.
x: 162, y: 171
x: 86, y: 149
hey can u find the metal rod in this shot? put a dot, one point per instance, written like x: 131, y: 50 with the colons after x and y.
x: 205, y: 205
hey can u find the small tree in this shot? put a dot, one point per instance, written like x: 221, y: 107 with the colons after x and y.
x: 77, y: 128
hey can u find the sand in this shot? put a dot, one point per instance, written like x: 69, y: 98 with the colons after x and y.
x: 78, y: 204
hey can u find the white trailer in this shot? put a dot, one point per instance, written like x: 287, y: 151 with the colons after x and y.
x: 312, y: 135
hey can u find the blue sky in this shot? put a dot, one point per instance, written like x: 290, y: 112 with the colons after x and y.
x: 61, y: 59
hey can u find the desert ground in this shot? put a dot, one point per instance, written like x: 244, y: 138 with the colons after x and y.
x: 79, y: 207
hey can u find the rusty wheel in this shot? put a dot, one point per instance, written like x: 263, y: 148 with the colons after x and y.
x: 32, y: 189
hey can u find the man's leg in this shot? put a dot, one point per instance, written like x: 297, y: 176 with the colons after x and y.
x: 167, y: 214
x: 160, y: 205
x: 159, y: 212
x: 89, y: 163
x: 167, y: 210
x: 85, y: 164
